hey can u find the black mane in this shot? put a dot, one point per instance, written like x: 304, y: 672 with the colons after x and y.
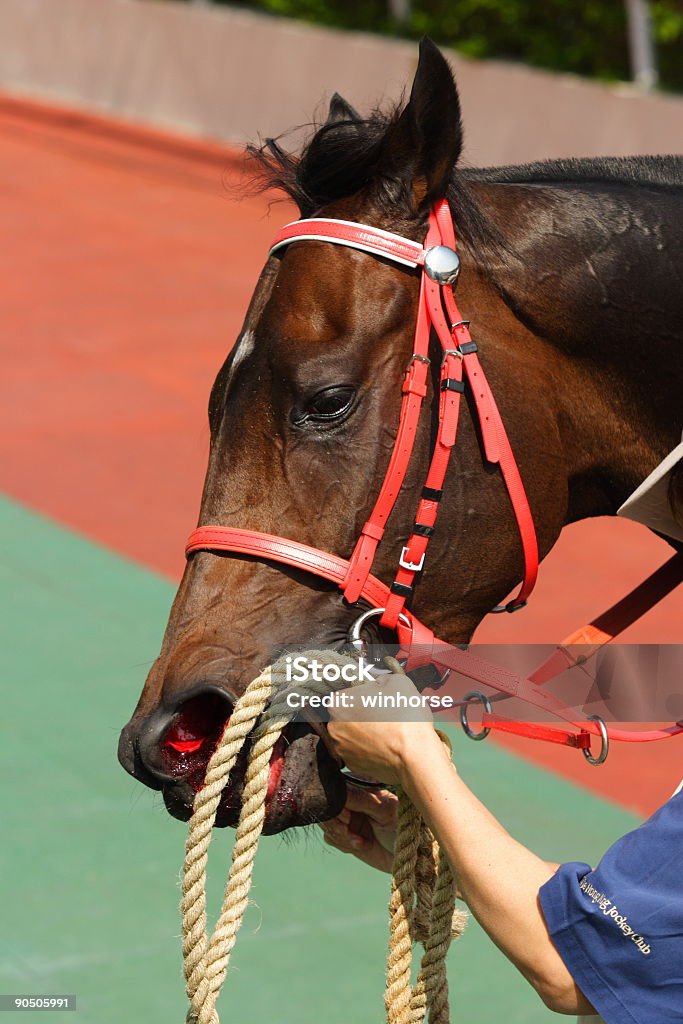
x: 661, y: 171
x: 339, y: 159
x: 336, y: 160
x: 342, y: 157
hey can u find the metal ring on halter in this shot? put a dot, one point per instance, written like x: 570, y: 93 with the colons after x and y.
x: 460, y: 323
x: 359, y: 782
x: 474, y: 695
x: 451, y: 352
x: 354, y: 638
x: 509, y: 607
x: 604, y: 736
x: 353, y: 633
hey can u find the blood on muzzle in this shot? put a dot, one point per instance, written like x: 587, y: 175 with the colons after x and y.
x: 193, y: 733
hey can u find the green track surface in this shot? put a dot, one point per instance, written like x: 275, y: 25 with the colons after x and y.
x: 89, y: 860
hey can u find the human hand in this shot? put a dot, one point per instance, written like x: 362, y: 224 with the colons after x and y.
x: 368, y: 744
x: 366, y: 827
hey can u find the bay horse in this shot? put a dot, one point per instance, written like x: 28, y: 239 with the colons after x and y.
x: 573, y: 277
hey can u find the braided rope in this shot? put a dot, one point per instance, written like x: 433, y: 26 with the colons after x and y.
x: 423, y: 890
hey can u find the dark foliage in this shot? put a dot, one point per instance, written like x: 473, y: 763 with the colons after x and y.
x: 588, y: 38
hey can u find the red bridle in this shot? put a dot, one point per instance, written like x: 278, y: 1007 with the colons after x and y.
x: 437, y: 309
x: 460, y: 365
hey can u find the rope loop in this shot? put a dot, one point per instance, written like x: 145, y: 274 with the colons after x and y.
x: 422, y: 902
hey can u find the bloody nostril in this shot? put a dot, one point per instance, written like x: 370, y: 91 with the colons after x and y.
x: 195, y: 730
x: 183, y: 746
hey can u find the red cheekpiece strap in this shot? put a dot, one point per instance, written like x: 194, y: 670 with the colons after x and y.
x: 436, y: 304
x: 414, y: 392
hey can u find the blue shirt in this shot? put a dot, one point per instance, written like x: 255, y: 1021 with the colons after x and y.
x: 619, y: 927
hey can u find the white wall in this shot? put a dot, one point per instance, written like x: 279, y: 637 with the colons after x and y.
x: 227, y: 74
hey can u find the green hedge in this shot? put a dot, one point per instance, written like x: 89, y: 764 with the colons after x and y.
x: 588, y: 38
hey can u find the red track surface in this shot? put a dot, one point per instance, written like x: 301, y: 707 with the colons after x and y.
x: 126, y: 269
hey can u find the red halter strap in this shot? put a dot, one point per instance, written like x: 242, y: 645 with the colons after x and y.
x: 438, y: 310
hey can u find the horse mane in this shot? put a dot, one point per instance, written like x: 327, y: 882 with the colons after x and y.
x: 664, y: 171
x: 340, y: 158
x: 344, y: 156
x: 336, y: 160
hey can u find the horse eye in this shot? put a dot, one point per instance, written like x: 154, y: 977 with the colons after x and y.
x: 328, y: 405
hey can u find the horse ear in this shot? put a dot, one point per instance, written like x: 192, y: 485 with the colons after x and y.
x: 424, y: 144
x: 341, y: 110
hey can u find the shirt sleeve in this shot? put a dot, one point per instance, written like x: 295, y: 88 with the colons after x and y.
x: 619, y: 927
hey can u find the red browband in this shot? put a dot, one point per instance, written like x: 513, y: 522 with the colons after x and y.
x: 437, y: 310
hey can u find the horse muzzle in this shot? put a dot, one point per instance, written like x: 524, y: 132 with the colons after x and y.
x: 170, y: 751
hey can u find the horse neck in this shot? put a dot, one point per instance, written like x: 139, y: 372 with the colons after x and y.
x: 594, y: 281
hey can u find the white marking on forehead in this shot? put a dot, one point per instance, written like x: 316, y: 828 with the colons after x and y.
x: 243, y: 348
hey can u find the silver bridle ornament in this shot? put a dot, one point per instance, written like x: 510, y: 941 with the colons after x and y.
x: 442, y: 264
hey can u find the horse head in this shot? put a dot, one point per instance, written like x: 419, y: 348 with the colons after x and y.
x: 303, y: 418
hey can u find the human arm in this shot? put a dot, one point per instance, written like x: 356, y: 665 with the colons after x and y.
x: 498, y: 877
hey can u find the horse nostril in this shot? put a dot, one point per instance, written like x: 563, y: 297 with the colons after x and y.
x: 189, y: 739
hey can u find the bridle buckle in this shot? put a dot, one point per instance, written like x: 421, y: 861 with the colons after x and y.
x: 452, y: 352
x: 418, y: 358
x: 410, y: 566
